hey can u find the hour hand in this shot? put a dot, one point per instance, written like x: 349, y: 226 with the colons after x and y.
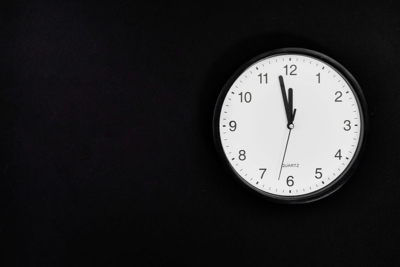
x: 292, y: 112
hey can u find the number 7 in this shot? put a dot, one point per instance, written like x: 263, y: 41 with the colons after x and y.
x: 263, y: 169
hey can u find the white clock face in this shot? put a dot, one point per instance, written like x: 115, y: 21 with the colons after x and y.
x: 290, y: 125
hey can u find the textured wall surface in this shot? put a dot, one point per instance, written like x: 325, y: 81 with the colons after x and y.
x: 107, y: 156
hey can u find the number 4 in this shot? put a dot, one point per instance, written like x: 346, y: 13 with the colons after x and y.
x: 339, y: 154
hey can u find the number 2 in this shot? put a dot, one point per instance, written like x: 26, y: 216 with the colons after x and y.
x: 337, y: 98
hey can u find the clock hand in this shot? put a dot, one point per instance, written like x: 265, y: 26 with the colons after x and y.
x: 290, y: 115
x: 290, y: 105
x: 292, y: 112
x: 285, y: 101
x: 284, y: 154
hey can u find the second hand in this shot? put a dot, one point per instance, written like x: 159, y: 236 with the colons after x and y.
x: 287, y: 142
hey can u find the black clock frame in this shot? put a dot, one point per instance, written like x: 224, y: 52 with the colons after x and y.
x: 345, y: 175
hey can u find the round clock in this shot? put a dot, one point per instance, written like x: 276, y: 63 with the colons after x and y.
x: 291, y: 125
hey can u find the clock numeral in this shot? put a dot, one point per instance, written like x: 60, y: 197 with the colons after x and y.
x: 232, y: 124
x: 348, y: 126
x: 246, y: 97
x: 319, y: 77
x: 338, y: 98
x: 266, y: 77
x: 263, y: 171
x: 318, y: 174
x: 290, y: 181
x: 339, y: 154
x: 242, y: 155
x: 292, y: 67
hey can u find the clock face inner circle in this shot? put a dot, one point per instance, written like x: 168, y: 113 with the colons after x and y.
x: 290, y: 125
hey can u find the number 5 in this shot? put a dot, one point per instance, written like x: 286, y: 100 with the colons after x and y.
x: 318, y: 174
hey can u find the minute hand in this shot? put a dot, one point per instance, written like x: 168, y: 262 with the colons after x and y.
x: 285, y: 101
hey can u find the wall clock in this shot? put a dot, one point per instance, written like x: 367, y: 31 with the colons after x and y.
x: 291, y: 125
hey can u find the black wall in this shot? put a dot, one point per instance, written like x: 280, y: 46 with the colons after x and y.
x: 107, y: 156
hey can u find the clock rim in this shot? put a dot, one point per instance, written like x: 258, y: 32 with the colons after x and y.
x: 350, y: 169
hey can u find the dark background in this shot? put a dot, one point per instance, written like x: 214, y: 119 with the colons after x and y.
x: 107, y: 156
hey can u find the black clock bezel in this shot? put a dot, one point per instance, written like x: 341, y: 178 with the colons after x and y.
x: 345, y: 175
